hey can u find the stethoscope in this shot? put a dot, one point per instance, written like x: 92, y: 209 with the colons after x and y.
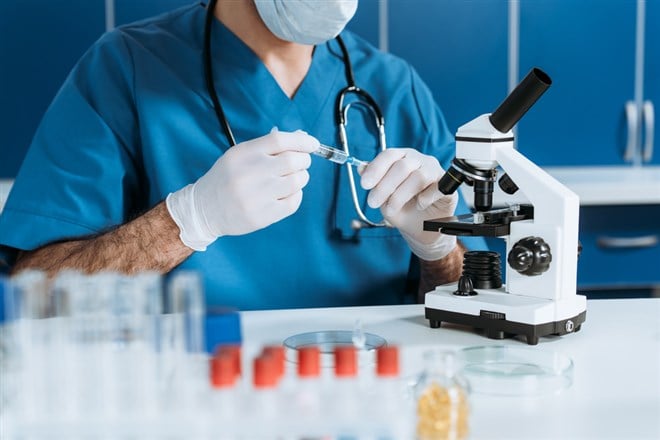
x: 341, y: 114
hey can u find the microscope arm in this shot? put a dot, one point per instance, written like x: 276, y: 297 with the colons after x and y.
x: 554, y: 204
x: 556, y: 216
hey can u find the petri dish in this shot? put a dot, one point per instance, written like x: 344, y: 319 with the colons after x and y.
x: 327, y: 340
x: 513, y: 371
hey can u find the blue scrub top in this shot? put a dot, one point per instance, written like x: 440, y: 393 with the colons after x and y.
x: 133, y: 122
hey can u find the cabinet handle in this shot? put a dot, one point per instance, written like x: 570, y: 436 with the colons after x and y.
x: 649, y: 124
x: 643, y: 241
x: 631, y: 118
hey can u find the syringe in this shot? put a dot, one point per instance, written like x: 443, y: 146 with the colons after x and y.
x: 338, y: 156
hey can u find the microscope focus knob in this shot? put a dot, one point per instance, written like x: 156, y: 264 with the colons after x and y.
x: 530, y: 256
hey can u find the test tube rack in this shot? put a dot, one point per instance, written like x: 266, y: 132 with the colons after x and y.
x: 124, y: 357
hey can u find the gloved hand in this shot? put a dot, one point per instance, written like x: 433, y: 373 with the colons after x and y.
x: 253, y: 185
x: 403, y: 183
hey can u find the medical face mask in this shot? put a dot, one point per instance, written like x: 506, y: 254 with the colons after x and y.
x: 306, y: 21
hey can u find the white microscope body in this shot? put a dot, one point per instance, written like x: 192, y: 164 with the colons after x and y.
x: 538, y: 299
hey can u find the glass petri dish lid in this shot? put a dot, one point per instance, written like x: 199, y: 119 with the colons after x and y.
x: 513, y: 371
x: 326, y: 341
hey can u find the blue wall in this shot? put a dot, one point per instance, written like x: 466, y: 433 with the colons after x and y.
x: 459, y: 48
x: 580, y: 120
x: 40, y: 41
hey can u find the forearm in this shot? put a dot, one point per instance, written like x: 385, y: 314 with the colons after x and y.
x: 150, y: 242
x: 443, y: 271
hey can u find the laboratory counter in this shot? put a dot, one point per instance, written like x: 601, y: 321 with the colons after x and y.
x: 615, y: 389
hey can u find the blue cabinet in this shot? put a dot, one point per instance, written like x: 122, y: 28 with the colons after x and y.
x: 40, y: 41
x: 127, y: 11
x: 459, y: 49
x: 588, y: 118
x: 588, y: 49
x: 366, y: 22
x: 652, y: 80
x: 621, y: 246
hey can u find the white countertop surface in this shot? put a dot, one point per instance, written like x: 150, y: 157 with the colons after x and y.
x: 616, y: 384
x: 597, y: 185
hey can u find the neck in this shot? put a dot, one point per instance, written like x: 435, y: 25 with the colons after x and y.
x: 287, y: 62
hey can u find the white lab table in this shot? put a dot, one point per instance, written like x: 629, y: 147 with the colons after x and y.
x: 616, y: 382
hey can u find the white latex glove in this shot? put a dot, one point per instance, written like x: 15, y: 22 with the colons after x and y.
x: 404, y: 185
x: 253, y: 185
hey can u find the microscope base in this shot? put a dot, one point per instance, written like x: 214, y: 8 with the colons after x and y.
x: 501, y: 314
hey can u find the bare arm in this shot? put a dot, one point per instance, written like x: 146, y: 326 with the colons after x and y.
x: 150, y: 242
x: 435, y: 273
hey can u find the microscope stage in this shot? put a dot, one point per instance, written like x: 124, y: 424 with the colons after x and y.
x: 502, y: 314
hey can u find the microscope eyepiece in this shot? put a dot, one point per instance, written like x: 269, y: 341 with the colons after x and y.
x: 520, y: 100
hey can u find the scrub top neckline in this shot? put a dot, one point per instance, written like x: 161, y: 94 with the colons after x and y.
x: 235, y: 61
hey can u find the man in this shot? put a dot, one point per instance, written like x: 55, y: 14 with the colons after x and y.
x: 130, y: 170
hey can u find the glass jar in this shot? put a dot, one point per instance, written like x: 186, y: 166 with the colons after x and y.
x: 441, y: 396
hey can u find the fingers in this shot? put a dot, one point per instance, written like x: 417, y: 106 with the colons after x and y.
x: 285, y: 186
x: 290, y: 162
x: 406, y: 192
x: 280, y: 141
x: 405, y: 179
x: 377, y: 168
x: 429, y: 196
x: 442, y: 205
x: 280, y: 198
x: 286, y: 206
x: 432, y: 194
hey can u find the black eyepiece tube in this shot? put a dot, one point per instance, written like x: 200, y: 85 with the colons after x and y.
x: 526, y: 93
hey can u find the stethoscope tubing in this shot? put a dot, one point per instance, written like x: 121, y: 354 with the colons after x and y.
x: 341, y: 111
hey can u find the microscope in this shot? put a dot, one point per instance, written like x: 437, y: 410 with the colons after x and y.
x: 539, y: 297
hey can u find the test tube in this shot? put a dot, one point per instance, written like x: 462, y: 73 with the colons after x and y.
x: 150, y: 284
x: 135, y: 304
x: 6, y: 393
x: 88, y: 381
x: 30, y: 333
x: 185, y: 297
x: 184, y: 360
x: 30, y: 298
